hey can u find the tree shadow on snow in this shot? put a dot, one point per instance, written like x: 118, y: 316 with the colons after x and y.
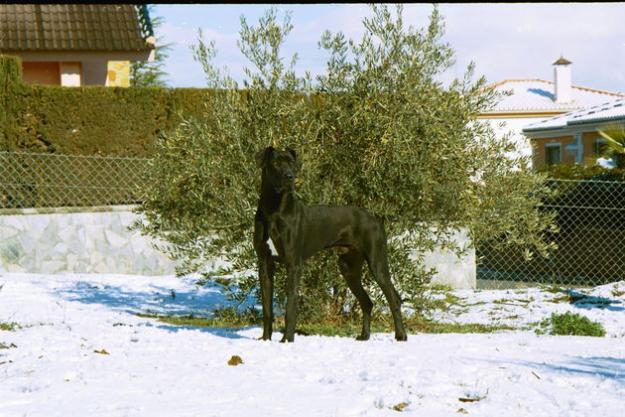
x: 158, y: 300
x: 598, y: 366
x: 229, y: 333
x: 588, y: 302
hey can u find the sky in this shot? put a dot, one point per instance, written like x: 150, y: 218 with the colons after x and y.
x: 505, y: 41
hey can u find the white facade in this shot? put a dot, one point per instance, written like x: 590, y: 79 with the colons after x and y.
x: 531, y: 101
x: 93, y: 68
x: 514, y: 128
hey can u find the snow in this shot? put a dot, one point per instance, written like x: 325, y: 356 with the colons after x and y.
x: 537, y: 94
x: 601, y: 112
x: 606, y: 162
x: 521, y: 308
x: 148, y: 368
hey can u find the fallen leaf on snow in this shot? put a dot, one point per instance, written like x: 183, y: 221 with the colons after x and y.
x: 235, y: 360
x: 400, y: 406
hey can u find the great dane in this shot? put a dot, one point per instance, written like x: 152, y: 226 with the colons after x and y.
x: 289, y: 232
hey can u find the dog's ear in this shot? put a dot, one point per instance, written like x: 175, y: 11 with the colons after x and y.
x: 263, y: 156
x: 294, y: 154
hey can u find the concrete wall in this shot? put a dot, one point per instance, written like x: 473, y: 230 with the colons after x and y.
x: 98, y: 241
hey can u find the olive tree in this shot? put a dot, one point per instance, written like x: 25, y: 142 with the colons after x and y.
x: 377, y: 129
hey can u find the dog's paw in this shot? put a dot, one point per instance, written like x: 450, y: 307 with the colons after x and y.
x: 401, y: 337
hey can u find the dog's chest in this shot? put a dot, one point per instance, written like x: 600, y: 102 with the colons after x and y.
x: 272, y: 247
x: 274, y: 238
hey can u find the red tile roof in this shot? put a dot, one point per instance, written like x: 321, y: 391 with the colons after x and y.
x: 71, y: 27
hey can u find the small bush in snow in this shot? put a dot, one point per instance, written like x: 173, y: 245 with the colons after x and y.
x: 571, y: 324
x: 9, y: 327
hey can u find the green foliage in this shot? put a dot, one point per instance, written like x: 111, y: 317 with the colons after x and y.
x: 228, y: 318
x: 615, y: 137
x: 338, y: 326
x: 583, y: 172
x: 377, y: 130
x: 10, y: 73
x: 89, y: 120
x: 9, y: 326
x: 152, y: 74
x: 571, y: 324
x: 10, y: 83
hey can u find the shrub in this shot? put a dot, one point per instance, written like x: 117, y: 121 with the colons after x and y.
x: 9, y: 327
x: 583, y: 172
x: 571, y: 324
x: 92, y: 120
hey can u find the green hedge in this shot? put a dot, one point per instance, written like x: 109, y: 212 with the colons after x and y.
x: 90, y: 120
x: 583, y: 172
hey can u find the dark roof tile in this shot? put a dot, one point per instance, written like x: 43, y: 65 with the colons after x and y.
x: 61, y: 27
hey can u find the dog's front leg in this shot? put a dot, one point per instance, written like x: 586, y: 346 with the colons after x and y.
x: 266, y: 268
x: 293, y: 275
x: 265, y: 272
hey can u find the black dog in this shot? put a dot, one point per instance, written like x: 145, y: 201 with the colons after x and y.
x: 285, y: 225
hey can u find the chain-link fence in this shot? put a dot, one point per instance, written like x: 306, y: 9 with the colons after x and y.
x: 49, y: 180
x: 590, y: 215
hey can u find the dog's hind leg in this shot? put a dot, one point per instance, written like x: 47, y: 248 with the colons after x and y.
x: 350, y: 265
x: 290, y: 318
x: 378, y: 265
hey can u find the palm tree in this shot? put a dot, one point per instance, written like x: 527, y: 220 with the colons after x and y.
x: 615, y: 137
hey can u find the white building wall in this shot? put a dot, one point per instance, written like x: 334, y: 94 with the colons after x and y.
x: 94, y: 64
x: 514, y: 127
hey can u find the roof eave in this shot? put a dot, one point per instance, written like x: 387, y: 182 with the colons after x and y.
x: 597, y: 120
x: 540, y: 132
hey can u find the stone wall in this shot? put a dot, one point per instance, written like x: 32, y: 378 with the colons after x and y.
x: 98, y: 241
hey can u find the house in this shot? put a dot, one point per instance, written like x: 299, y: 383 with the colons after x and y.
x: 76, y: 44
x: 533, y: 100
x: 573, y: 137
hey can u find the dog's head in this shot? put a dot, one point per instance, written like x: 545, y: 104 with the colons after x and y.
x: 279, y: 167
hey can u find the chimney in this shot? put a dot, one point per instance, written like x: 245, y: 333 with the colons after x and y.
x: 562, y: 80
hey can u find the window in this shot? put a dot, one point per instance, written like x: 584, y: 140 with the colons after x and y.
x: 553, y: 154
x: 71, y: 74
x: 41, y: 73
x: 600, y: 147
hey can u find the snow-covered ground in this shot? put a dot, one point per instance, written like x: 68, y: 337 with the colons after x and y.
x: 524, y: 308
x: 142, y: 367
